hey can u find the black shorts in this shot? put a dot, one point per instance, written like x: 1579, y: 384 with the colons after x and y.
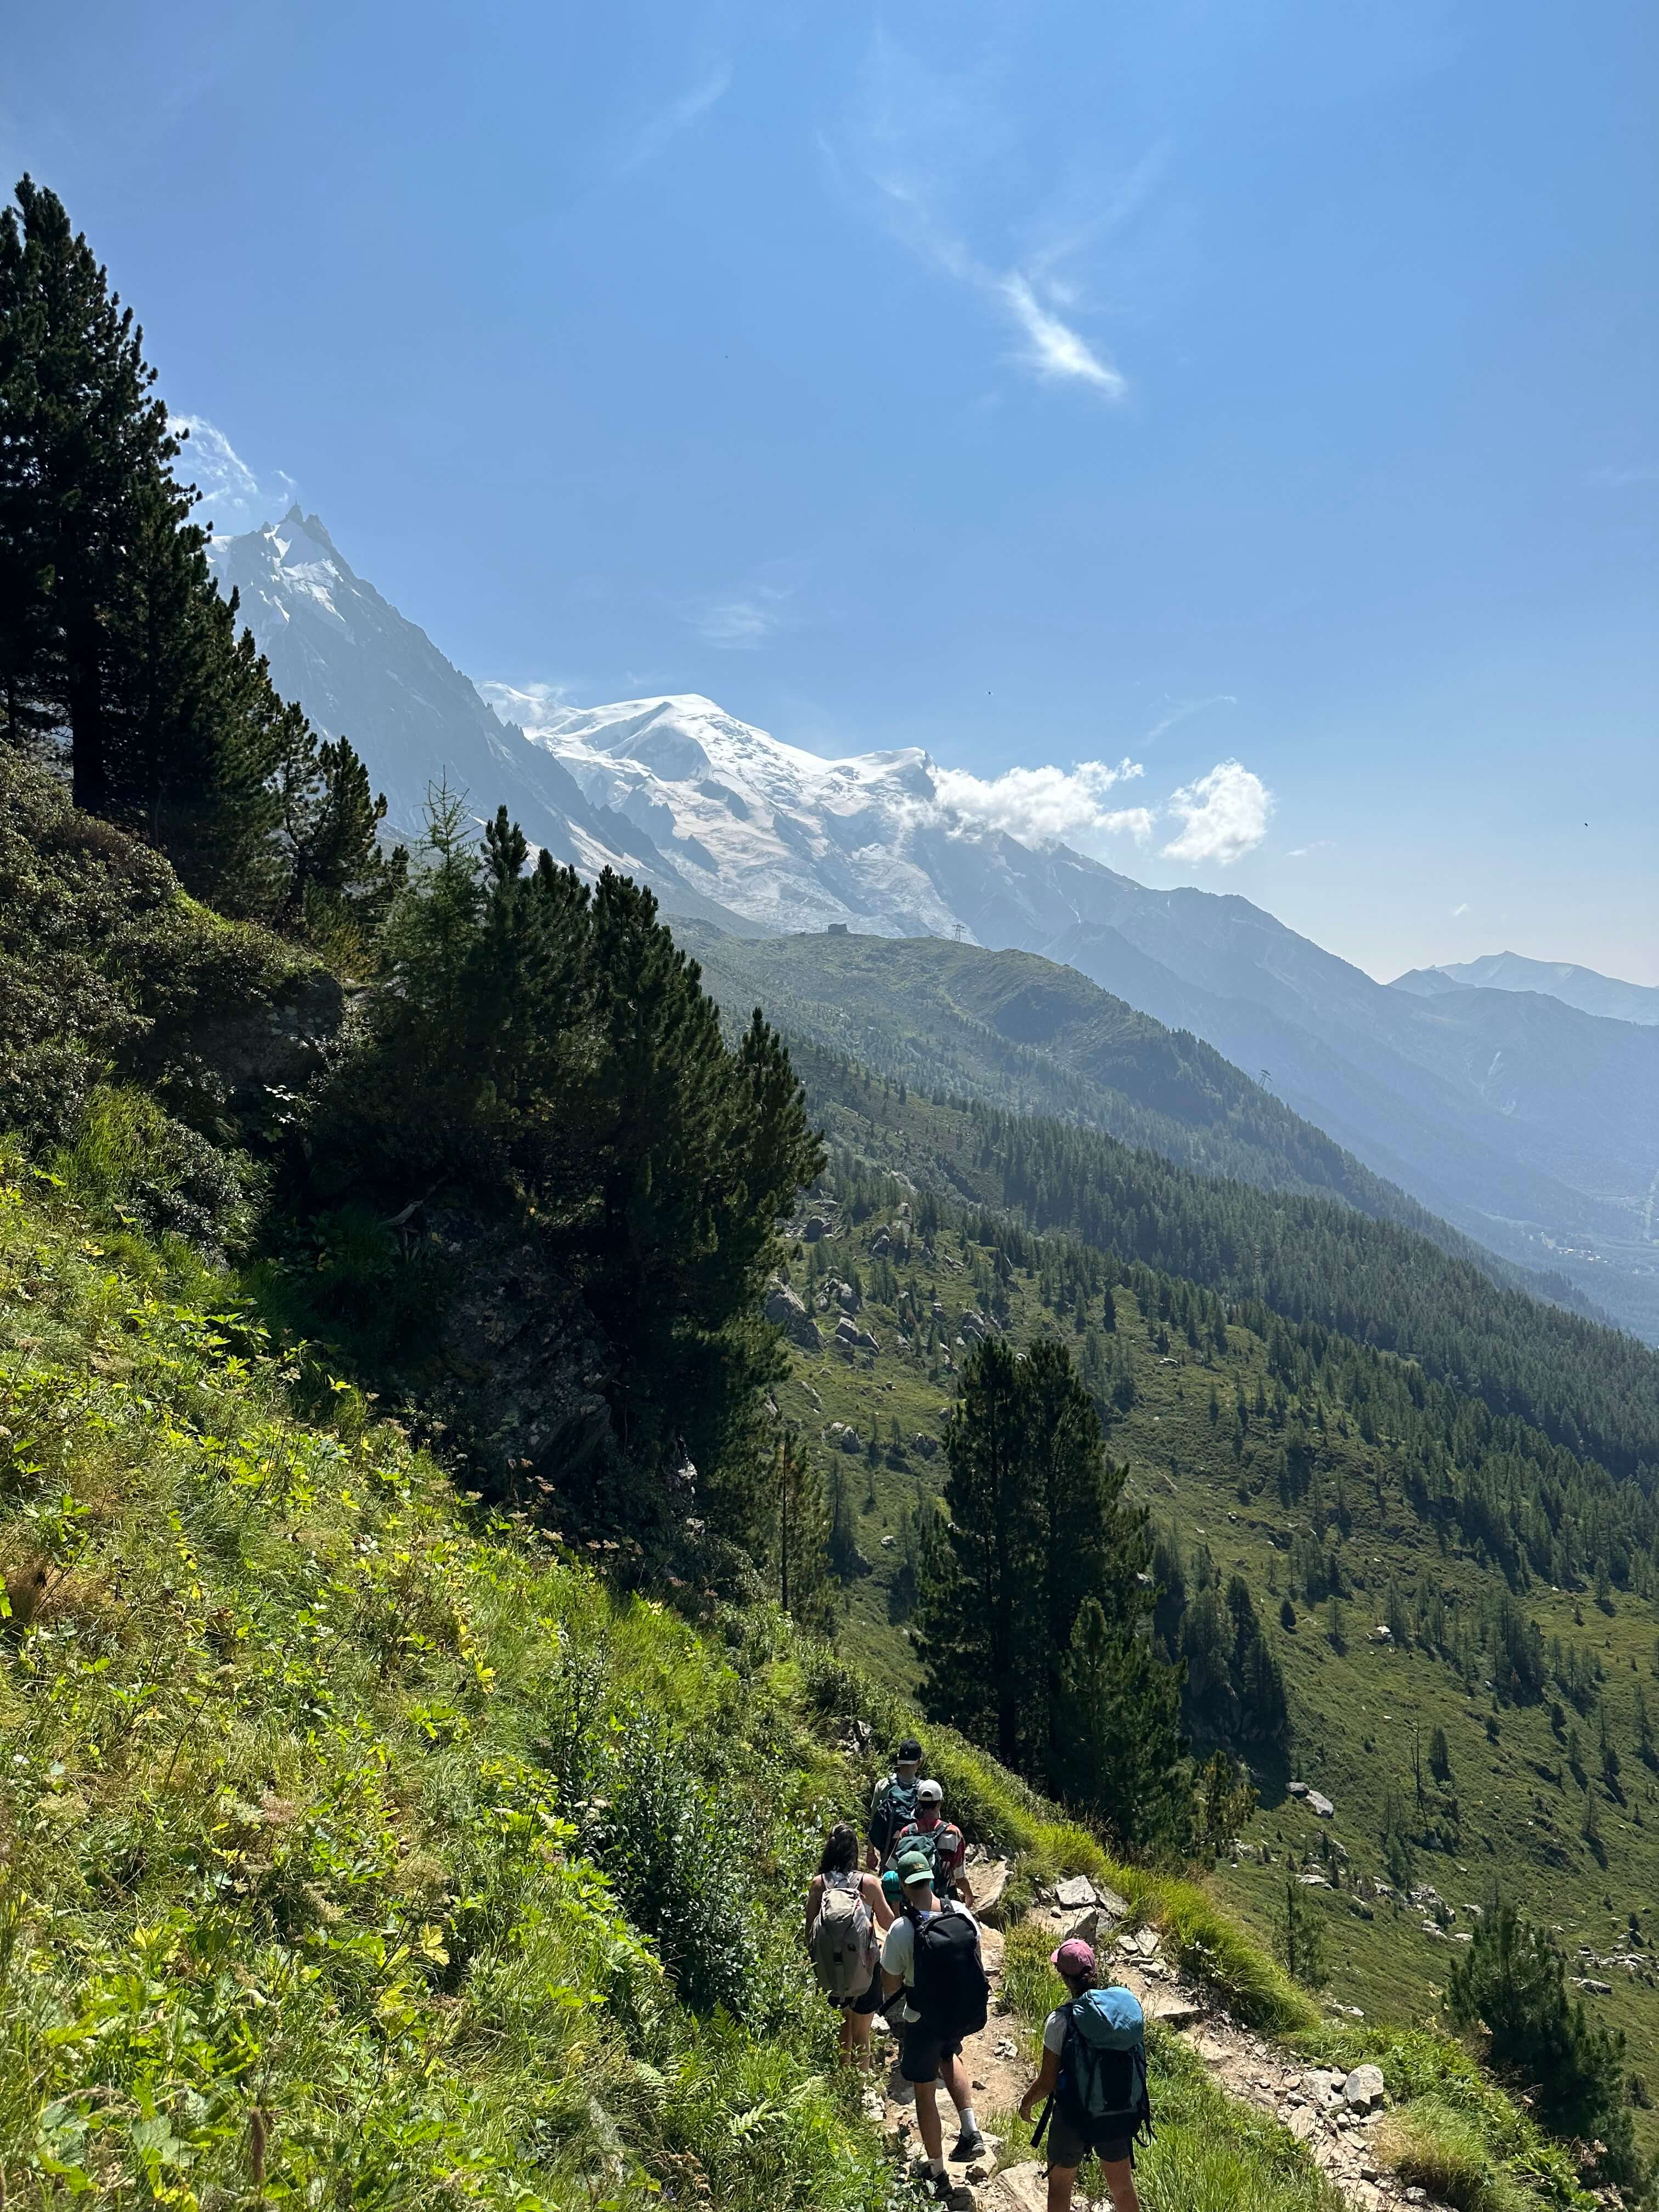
x: 867, y: 2004
x: 922, y: 2053
x: 1067, y: 2148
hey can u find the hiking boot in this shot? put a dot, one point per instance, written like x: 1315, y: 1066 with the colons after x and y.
x: 967, y: 2145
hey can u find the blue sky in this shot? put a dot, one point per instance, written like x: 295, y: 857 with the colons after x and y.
x: 1192, y: 384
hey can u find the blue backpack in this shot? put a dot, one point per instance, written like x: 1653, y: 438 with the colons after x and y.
x: 1101, y: 2090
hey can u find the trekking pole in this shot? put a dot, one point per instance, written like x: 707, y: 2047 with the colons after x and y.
x: 1041, y: 2129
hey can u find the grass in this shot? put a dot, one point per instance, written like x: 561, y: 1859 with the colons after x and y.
x: 360, y: 1846
x: 1433, y: 2145
x: 1512, y: 1809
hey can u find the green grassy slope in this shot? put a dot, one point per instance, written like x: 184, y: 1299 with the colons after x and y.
x: 1513, y: 1809
x: 1017, y: 1032
x: 360, y: 1847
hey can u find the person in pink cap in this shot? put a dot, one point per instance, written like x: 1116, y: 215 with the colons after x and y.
x: 1093, y: 2078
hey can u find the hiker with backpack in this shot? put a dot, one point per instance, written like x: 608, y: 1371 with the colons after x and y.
x: 894, y: 1804
x: 1094, y: 2079
x: 946, y: 1847
x: 936, y: 1996
x: 847, y: 1915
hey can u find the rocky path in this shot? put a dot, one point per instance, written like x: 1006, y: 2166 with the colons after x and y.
x: 1333, y: 2114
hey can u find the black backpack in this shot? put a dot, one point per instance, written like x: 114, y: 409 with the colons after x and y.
x: 1102, y: 2091
x: 950, y: 1990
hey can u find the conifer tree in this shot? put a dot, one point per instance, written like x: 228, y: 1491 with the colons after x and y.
x: 803, y: 1538
x: 1033, y: 1623
x: 112, y: 636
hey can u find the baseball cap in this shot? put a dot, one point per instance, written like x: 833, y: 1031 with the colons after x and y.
x: 1074, y: 1957
x: 909, y: 1753
x: 929, y: 1793
x: 915, y: 1867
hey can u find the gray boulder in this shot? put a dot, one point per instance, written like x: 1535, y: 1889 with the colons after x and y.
x: 1364, y: 2088
x: 785, y: 1310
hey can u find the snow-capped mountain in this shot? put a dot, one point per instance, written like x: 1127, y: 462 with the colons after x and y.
x: 363, y: 671
x: 789, y: 839
x: 1526, y: 1121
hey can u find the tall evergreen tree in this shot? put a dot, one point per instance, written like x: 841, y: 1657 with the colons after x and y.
x: 112, y: 636
x: 1034, y: 1622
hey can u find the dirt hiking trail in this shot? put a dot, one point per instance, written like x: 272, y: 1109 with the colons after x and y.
x: 1334, y: 2115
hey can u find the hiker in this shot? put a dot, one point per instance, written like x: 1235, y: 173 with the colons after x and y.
x: 942, y: 1841
x: 1094, y: 2077
x: 936, y: 1995
x: 847, y: 1915
x: 894, y: 1804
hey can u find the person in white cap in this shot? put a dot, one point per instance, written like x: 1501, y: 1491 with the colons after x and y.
x: 940, y: 1839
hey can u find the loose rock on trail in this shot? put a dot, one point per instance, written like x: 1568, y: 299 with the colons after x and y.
x: 1332, y: 2114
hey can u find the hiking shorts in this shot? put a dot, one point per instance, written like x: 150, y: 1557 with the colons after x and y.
x: 922, y: 2053
x: 1067, y: 2150
x: 867, y: 2004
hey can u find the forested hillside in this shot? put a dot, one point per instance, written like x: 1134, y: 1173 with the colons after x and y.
x: 1333, y: 1609
x: 1025, y: 1034
x: 1585, y: 1386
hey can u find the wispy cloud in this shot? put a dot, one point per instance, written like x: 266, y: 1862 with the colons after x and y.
x: 1055, y: 348
x: 679, y: 115
x: 232, y: 496
x: 1301, y: 852
x: 741, y: 621
x: 1458, y: 911
x: 1641, y: 472
x: 1179, y: 710
x: 1224, y: 815
x: 1046, y: 806
x: 918, y: 140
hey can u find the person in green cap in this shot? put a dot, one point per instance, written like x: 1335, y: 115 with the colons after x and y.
x: 933, y: 1979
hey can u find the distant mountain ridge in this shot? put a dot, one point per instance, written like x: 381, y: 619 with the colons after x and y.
x: 1529, y: 1124
x: 1592, y: 993
x: 1026, y: 1034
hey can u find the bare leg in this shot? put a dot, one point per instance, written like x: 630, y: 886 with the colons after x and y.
x: 855, y: 2038
x: 1120, y: 2180
x: 1062, y: 2179
x: 933, y: 2135
x: 954, y: 2075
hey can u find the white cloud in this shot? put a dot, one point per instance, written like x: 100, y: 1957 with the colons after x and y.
x: 1224, y: 815
x: 742, y: 620
x: 231, y: 497
x: 1055, y: 348
x: 928, y: 144
x: 1046, y: 806
x: 1301, y: 852
x: 679, y: 115
x: 1458, y: 911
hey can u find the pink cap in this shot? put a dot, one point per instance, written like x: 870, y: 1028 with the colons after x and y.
x: 1074, y: 1958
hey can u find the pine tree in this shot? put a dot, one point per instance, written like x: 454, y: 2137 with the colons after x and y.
x: 803, y: 1539
x: 1511, y: 1985
x: 1301, y: 1937
x: 112, y: 636
x: 1440, y: 1757
x: 1118, y: 1740
x: 336, y: 874
x: 1038, y: 1533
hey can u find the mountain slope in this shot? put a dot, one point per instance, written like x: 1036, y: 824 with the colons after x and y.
x: 1530, y: 1125
x: 1555, y: 979
x: 1024, y: 1033
x: 361, y: 670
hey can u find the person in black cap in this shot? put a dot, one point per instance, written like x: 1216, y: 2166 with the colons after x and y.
x: 894, y: 1804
